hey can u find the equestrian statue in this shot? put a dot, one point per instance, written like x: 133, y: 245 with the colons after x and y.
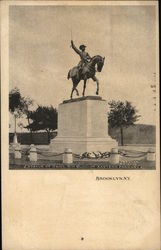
x: 85, y: 69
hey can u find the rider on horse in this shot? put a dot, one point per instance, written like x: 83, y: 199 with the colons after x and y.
x: 85, y: 57
x: 85, y: 69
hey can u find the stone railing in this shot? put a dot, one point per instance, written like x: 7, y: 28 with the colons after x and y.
x: 113, y: 156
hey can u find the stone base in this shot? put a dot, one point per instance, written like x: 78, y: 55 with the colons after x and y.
x: 81, y: 145
x: 83, y: 126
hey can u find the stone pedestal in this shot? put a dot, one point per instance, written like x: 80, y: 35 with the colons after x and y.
x: 114, y: 156
x: 83, y: 126
x: 17, y: 151
x: 151, y: 155
x: 33, y: 153
x: 67, y: 156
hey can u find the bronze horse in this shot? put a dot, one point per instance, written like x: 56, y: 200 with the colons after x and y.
x: 87, y: 72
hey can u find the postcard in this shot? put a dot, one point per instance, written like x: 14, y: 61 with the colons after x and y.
x: 80, y: 125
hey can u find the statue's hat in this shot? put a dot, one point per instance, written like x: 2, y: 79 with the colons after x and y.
x: 82, y: 46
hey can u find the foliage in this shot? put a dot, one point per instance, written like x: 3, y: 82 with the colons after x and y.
x: 20, y: 125
x: 27, y: 103
x: 122, y: 115
x: 19, y: 103
x: 15, y: 102
x: 43, y: 118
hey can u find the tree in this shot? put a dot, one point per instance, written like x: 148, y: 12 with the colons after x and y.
x: 15, y: 106
x: 15, y: 102
x: 19, y: 105
x: 43, y: 118
x: 121, y: 115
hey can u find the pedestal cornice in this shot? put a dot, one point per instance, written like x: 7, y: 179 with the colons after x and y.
x: 99, y: 98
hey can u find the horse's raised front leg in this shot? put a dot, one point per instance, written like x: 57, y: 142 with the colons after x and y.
x: 96, y: 80
x: 84, y: 87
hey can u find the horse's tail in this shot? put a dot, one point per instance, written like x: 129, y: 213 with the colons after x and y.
x: 68, y: 75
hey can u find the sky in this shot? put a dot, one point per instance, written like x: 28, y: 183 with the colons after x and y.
x: 40, y: 55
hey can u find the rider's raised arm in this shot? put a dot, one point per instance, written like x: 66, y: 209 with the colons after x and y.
x: 75, y: 48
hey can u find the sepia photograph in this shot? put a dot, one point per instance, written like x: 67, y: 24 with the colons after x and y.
x: 82, y: 87
x: 80, y: 105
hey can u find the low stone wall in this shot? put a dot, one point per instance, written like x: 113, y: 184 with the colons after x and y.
x: 37, y: 138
